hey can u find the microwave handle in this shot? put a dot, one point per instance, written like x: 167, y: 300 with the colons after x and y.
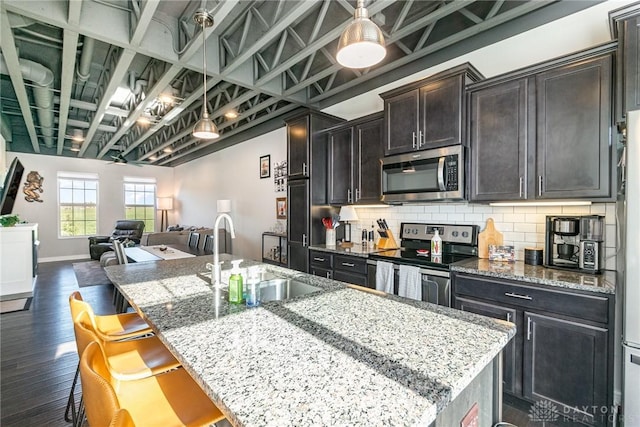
x: 441, y: 174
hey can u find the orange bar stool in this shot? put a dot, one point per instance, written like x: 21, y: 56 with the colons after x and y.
x: 168, y: 399
x: 127, y: 360
x: 108, y: 328
x: 122, y: 418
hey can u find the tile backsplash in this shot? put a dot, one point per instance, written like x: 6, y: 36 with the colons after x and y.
x: 521, y: 226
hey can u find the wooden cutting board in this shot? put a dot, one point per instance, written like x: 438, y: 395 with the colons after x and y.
x: 488, y: 236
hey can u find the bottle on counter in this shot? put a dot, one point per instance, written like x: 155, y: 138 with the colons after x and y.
x: 235, y: 283
x: 253, y: 286
x: 436, y: 244
x: 364, y: 239
x: 372, y: 238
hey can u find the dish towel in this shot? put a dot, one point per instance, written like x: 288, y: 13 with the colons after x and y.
x: 410, y: 282
x: 384, y: 277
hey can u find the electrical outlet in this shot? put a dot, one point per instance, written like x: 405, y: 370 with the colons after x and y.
x: 472, y: 419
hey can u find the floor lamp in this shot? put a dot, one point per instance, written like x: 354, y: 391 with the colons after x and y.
x: 164, y: 204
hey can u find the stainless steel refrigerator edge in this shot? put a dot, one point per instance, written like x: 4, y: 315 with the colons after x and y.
x: 630, y: 245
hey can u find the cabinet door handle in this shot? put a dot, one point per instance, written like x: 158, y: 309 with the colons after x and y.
x: 420, y: 139
x: 512, y: 295
x: 349, y: 195
x: 318, y: 259
x: 328, y: 275
x: 348, y: 264
x: 304, y: 169
x: 508, y: 317
x: 414, y: 143
x: 539, y: 185
x: 357, y: 195
x: 304, y: 240
x: 520, y: 190
x: 528, y: 328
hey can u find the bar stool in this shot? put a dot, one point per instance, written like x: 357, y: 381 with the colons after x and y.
x: 168, y: 399
x: 130, y: 359
x: 122, y: 418
x: 108, y: 328
x: 208, y: 244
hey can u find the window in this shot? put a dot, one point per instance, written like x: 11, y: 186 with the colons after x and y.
x: 140, y: 201
x: 77, y: 205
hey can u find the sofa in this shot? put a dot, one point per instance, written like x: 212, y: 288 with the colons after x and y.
x: 181, y: 237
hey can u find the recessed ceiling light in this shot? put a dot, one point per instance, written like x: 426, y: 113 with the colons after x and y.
x: 166, y: 98
x: 167, y: 150
x: 231, y: 114
x: 153, y: 157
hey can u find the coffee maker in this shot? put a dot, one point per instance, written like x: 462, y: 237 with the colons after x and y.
x: 575, y: 243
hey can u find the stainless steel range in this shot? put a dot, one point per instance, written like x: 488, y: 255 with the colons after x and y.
x: 458, y: 242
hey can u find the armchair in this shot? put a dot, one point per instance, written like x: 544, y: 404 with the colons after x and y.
x: 124, y: 229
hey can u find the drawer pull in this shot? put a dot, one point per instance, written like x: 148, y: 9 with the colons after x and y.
x: 512, y: 295
x: 528, y: 328
x: 318, y: 259
x: 348, y: 264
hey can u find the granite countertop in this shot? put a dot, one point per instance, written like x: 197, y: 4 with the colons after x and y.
x: 355, y: 250
x: 601, y: 283
x: 333, y: 357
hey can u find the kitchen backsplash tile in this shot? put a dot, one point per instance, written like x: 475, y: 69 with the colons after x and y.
x: 522, y: 226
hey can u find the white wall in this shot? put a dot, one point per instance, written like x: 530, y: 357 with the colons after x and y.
x: 110, y: 203
x: 233, y: 174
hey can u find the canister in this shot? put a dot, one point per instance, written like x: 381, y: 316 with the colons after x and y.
x: 533, y: 256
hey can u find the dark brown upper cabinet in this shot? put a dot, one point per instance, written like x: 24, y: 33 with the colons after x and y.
x: 625, y: 26
x: 544, y: 132
x: 429, y: 113
x: 355, y: 149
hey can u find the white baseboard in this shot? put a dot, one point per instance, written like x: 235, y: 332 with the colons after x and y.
x: 62, y: 258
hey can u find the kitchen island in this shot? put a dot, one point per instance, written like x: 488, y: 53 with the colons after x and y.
x: 337, y: 356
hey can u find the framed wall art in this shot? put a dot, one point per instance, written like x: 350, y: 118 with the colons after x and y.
x: 281, y: 207
x: 265, y: 166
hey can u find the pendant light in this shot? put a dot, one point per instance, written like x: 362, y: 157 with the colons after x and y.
x: 205, y: 128
x: 361, y: 44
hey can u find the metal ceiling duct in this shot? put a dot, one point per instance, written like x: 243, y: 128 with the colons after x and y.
x: 84, y: 66
x: 42, y: 79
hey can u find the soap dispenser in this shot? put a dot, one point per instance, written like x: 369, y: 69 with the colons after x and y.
x: 436, y: 244
x: 235, y: 283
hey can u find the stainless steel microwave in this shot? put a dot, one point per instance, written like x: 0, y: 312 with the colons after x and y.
x: 428, y: 175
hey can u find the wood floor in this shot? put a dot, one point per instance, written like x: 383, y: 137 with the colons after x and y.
x: 38, y: 354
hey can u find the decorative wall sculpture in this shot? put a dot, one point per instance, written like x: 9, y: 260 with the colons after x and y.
x: 33, y: 187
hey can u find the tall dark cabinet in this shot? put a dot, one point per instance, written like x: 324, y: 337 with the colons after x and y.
x: 545, y: 132
x: 355, y: 149
x: 307, y: 184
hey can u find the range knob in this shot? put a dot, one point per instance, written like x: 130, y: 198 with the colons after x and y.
x: 454, y: 233
x: 465, y: 234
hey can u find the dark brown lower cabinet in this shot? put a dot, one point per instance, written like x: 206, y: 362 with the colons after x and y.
x: 349, y: 269
x: 562, y: 351
x: 565, y: 362
x: 511, y: 359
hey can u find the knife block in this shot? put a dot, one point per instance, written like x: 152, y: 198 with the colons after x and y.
x: 388, y: 242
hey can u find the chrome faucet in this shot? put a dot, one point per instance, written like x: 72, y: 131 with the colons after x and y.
x: 215, y: 277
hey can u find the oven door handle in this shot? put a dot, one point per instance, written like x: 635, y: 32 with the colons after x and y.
x: 441, y: 183
x: 435, y: 273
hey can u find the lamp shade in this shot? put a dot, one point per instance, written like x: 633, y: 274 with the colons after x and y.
x: 165, y: 203
x: 205, y: 128
x: 348, y: 213
x: 224, y: 206
x: 362, y: 43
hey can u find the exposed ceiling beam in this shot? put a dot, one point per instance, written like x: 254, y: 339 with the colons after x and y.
x: 10, y: 55
x: 143, y: 21
x: 69, y: 48
x: 117, y: 75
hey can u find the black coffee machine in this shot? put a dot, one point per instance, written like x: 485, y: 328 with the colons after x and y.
x: 575, y: 243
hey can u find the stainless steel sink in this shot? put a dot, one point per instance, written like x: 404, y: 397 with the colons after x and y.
x: 283, y: 289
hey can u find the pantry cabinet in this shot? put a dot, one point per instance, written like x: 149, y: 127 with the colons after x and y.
x: 545, y: 132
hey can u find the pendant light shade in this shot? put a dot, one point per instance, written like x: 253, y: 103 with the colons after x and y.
x: 205, y: 128
x: 361, y: 44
